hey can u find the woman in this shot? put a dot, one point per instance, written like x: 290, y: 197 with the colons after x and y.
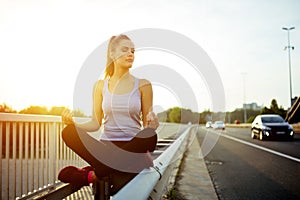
x: 124, y: 104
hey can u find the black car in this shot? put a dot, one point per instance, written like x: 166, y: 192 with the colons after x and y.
x: 271, y: 126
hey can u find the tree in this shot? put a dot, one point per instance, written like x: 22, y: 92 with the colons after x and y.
x: 78, y: 113
x: 274, y: 109
x: 205, y: 116
x: 56, y: 110
x: 188, y: 116
x: 6, y: 109
x: 175, y: 115
x: 274, y: 105
x: 39, y: 110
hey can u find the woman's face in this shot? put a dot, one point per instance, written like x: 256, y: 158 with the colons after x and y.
x: 124, y: 53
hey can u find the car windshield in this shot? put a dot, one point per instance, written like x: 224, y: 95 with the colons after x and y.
x: 273, y: 119
x: 218, y: 122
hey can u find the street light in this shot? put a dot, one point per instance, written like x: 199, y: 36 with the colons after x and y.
x: 244, y: 104
x: 289, y: 55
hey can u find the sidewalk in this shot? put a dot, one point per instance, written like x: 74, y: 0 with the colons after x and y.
x: 194, y: 182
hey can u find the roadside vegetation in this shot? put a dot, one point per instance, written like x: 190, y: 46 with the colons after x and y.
x: 182, y: 115
x: 39, y: 110
x: 172, y: 115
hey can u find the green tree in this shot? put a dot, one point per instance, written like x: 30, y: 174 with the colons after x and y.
x: 6, y: 109
x: 175, y: 115
x: 274, y: 106
x: 56, y: 110
x: 266, y: 110
x: 274, y: 109
x: 205, y: 116
x: 38, y: 110
x: 188, y: 116
x: 78, y: 113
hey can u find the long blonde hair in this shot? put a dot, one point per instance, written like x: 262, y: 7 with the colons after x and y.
x: 113, y: 43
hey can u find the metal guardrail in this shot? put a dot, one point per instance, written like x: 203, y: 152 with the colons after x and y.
x: 293, y: 114
x: 153, y: 183
x: 33, y: 153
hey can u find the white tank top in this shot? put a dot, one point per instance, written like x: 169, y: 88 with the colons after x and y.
x: 122, y: 113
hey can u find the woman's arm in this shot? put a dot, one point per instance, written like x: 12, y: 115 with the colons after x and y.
x: 97, y: 115
x: 149, y: 118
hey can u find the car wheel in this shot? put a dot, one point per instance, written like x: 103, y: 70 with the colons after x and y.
x: 261, y: 135
x: 253, y: 136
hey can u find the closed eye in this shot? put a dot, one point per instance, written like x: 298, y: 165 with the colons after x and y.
x: 124, y: 49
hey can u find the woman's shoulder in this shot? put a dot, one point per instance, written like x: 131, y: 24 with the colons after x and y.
x: 145, y: 86
x: 144, y: 82
x: 99, y: 84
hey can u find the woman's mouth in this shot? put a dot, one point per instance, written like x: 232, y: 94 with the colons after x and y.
x: 129, y: 60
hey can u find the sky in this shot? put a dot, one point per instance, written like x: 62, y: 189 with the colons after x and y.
x: 43, y: 45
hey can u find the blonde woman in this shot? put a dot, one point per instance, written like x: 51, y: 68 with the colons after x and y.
x: 124, y: 104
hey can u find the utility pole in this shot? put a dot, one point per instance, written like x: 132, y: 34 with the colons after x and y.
x: 289, y: 47
x: 244, y: 104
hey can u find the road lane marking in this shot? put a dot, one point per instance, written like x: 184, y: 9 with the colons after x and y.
x: 260, y: 147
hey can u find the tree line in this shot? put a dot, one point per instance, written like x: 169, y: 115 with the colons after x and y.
x: 40, y: 110
x: 173, y: 115
x: 182, y: 115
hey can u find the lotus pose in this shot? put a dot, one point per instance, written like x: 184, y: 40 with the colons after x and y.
x: 123, y: 103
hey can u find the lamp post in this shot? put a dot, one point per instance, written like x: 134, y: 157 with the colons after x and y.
x: 244, y: 104
x: 289, y: 56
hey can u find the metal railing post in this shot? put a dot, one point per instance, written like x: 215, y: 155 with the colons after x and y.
x: 101, y: 188
x: 1, y: 128
x: 52, y: 153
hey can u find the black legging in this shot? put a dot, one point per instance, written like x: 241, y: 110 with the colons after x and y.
x: 106, y: 156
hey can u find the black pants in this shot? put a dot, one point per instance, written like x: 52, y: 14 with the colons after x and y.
x: 106, y: 156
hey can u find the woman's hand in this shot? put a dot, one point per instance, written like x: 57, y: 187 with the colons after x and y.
x: 67, y: 117
x: 152, y: 121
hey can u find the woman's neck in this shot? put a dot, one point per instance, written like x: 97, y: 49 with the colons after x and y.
x: 121, y: 74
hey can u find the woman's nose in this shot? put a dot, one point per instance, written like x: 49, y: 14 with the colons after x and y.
x: 130, y: 53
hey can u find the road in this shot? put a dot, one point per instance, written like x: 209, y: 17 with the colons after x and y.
x: 243, y: 168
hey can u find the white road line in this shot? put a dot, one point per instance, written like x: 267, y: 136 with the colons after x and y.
x: 260, y: 147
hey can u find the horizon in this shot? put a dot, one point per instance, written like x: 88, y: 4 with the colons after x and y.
x: 43, y: 54
x: 160, y: 111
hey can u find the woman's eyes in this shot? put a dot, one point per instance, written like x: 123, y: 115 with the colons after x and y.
x: 125, y: 49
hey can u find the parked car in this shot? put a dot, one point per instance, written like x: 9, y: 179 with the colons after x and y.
x: 208, y: 124
x: 218, y: 125
x: 271, y: 126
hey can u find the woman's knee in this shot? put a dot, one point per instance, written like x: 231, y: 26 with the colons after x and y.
x: 147, y: 133
x: 150, y: 138
x: 68, y: 133
x: 153, y: 142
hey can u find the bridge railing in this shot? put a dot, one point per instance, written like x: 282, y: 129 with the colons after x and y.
x: 32, y: 153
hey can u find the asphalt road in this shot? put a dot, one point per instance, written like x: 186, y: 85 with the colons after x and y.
x: 243, y: 168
